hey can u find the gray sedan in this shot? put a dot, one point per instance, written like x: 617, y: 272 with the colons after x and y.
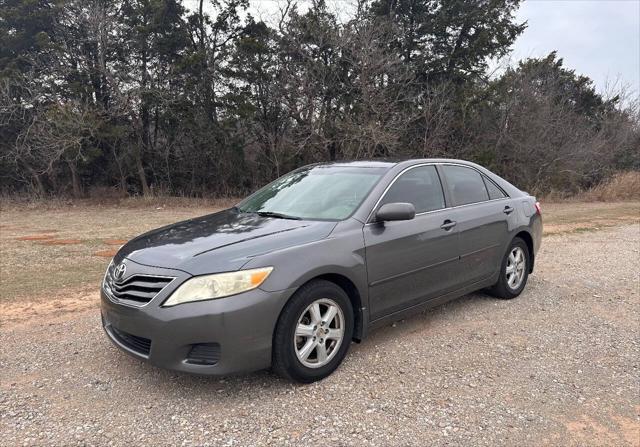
x: 293, y: 274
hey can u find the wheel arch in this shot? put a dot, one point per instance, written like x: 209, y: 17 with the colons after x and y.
x: 528, y: 239
x: 352, y: 292
x: 354, y: 296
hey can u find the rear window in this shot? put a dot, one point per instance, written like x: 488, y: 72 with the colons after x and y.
x: 466, y: 185
x: 419, y: 186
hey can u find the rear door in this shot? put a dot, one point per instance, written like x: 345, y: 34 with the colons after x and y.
x: 414, y: 260
x: 481, y: 210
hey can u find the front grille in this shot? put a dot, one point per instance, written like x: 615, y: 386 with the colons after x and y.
x: 204, y: 354
x: 140, y: 345
x: 137, y: 290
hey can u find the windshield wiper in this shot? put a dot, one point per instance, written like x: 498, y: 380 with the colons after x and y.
x: 276, y: 215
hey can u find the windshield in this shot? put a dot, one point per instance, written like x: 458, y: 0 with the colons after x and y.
x: 320, y: 192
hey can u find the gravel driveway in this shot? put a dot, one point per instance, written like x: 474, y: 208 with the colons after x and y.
x: 557, y: 366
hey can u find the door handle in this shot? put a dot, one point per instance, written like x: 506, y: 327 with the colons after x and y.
x: 508, y: 209
x: 448, y: 224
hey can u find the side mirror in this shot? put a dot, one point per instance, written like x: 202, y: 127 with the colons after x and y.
x: 395, y: 211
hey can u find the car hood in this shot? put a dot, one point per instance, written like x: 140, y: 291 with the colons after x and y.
x: 218, y: 242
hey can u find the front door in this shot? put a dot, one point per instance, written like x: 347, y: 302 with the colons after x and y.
x: 414, y: 260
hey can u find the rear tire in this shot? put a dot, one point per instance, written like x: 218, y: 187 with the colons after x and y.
x: 313, y: 333
x: 514, y: 271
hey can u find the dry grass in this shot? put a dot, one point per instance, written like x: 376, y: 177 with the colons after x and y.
x: 109, y: 253
x: 60, y: 242
x: 80, y: 240
x: 35, y: 237
x: 572, y: 217
x: 62, y: 251
x: 115, y: 241
x: 622, y: 186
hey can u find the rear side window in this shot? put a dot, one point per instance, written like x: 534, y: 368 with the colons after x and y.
x: 466, y: 185
x: 494, y: 191
x: 419, y: 186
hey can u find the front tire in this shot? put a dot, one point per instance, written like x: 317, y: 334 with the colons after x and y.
x: 313, y: 333
x: 514, y: 271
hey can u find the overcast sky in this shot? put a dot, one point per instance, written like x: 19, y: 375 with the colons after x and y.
x: 597, y: 38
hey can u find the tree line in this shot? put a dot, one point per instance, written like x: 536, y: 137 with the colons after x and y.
x: 200, y: 98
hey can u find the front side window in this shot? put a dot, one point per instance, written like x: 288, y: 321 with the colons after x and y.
x: 320, y: 192
x: 466, y: 185
x: 419, y: 186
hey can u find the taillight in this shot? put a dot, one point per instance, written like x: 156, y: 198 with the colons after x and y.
x: 538, y: 209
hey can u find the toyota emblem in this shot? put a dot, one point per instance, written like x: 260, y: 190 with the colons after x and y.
x: 119, y: 271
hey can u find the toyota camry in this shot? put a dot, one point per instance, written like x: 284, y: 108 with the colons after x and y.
x: 294, y: 273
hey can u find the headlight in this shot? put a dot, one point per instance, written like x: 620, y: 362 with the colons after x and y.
x: 218, y: 286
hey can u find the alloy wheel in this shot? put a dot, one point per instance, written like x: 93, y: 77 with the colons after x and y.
x: 319, y: 333
x: 515, y: 270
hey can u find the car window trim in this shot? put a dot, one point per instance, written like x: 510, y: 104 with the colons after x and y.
x: 442, y: 183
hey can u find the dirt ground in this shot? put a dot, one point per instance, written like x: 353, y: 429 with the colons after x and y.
x: 557, y: 366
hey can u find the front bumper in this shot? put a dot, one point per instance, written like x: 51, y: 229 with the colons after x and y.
x: 237, y: 330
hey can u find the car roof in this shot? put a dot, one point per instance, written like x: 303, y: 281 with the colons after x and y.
x: 373, y: 163
x: 398, y: 165
x: 391, y: 162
